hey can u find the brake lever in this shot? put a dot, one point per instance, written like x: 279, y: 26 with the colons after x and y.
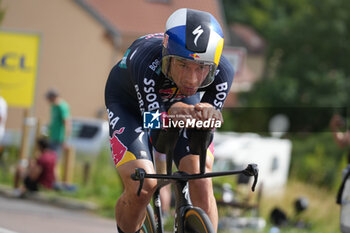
x: 252, y: 170
x: 140, y: 176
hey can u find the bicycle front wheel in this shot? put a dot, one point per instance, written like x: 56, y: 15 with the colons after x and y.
x: 197, y: 221
x: 149, y: 225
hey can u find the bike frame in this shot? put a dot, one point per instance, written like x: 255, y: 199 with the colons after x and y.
x: 180, y: 179
x: 182, y: 198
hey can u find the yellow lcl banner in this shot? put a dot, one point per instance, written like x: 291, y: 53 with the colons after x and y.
x: 18, y: 67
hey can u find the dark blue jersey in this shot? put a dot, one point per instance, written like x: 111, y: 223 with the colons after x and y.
x: 137, y: 80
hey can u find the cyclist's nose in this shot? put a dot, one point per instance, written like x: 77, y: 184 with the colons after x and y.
x: 192, y: 79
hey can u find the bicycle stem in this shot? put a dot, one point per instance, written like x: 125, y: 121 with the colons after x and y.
x: 199, y: 143
x: 166, y: 143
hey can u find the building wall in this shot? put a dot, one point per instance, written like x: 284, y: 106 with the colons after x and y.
x: 75, y: 55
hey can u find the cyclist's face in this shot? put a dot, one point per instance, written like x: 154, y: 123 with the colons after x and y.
x: 188, y: 75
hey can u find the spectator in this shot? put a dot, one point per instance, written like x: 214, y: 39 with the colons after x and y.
x: 3, y: 116
x: 39, y: 173
x: 60, y: 126
x: 342, y: 138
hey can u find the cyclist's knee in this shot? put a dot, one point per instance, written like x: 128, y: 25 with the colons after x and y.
x: 201, y: 186
x: 148, y: 188
x: 131, y: 187
x: 190, y: 164
x: 147, y: 191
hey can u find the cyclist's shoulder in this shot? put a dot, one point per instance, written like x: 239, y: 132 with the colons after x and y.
x: 148, y: 43
x: 224, y: 72
x: 143, y: 51
x: 226, y: 66
x: 223, y: 77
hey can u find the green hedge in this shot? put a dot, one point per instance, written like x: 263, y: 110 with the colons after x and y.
x: 317, y: 159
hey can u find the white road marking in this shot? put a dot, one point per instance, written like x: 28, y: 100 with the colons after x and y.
x: 3, y: 230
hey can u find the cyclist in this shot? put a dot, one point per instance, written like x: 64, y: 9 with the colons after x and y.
x: 166, y: 73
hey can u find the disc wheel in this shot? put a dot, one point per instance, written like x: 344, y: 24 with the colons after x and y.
x: 197, y: 221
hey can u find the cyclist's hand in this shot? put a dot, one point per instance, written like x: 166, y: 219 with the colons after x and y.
x: 201, y: 111
x: 181, y: 111
x: 206, y: 111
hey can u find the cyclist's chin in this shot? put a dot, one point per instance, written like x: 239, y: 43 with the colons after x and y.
x: 188, y: 91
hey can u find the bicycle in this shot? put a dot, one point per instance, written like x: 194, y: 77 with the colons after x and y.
x: 187, y: 217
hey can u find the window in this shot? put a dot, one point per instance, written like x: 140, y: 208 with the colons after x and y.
x: 159, y: 1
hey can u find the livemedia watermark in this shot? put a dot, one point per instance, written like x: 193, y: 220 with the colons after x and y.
x: 157, y: 120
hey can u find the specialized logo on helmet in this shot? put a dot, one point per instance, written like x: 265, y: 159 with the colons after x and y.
x: 197, y: 32
x: 117, y: 147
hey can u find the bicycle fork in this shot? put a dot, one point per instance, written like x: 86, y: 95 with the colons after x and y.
x: 183, y: 202
x: 158, y: 211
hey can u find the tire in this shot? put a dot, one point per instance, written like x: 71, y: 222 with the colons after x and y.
x: 197, y: 221
x: 149, y: 225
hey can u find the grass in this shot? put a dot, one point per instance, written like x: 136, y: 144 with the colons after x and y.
x: 322, y: 213
x: 104, y: 187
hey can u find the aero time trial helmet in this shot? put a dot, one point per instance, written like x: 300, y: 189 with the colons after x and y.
x: 195, y: 36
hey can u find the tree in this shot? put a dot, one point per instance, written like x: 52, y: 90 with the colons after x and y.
x: 2, y: 12
x: 308, y: 50
x: 307, y: 56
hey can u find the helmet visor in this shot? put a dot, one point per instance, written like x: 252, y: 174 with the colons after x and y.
x: 200, y: 72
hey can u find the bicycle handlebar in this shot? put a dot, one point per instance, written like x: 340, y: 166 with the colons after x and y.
x: 140, y: 174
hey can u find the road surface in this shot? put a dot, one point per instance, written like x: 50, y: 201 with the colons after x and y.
x: 25, y: 216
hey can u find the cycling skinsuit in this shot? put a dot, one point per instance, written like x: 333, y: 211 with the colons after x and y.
x: 136, y: 84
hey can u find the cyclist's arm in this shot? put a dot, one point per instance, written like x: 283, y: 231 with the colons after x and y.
x: 181, y: 110
x: 217, y: 92
x: 213, y: 98
x: 207, y: 111
x: 200, y: 111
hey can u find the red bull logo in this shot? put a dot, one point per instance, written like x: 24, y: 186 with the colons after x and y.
x: 117, y: 147
x: 194, y: 56
x: 169, y: 93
